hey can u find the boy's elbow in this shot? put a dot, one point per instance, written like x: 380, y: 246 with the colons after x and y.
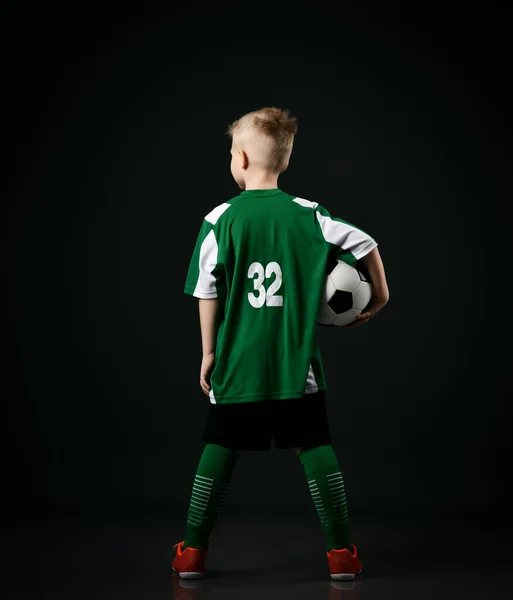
x: 383, y: 297
x: 380, y: 292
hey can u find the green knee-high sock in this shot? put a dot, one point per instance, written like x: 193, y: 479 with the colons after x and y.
x: 327, y: 489
x: 209, y: 489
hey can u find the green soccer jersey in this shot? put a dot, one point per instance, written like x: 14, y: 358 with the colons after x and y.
x: 264, y: 255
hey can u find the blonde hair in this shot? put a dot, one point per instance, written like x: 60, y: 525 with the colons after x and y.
x: 272, y: 130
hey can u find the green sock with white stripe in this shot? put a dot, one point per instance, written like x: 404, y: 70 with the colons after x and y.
x: 327, y: 489
x: 209, y: 489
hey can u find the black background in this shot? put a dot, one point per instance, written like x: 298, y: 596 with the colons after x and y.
x: 116, y: 123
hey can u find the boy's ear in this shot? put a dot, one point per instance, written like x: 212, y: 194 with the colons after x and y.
x: 243, y: 159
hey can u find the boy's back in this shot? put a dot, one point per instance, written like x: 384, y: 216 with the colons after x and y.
x: 264, y: 254
x: 259, y: 269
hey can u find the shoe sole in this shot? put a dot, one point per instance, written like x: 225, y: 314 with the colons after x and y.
x: 344, y: 576
x: 189, y: 574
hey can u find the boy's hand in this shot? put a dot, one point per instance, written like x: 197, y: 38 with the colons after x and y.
x: 207, y: 366
x: 360, y: 319
x: 373, y: 307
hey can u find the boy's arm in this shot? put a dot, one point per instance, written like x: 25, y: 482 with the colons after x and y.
x: 376, y: 270
x: 208, y: 308
x: 380, y: 296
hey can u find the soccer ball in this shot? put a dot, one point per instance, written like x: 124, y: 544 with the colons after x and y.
x: 347, y: 292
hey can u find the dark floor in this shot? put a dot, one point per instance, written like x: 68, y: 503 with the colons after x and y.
x: 255, y: 556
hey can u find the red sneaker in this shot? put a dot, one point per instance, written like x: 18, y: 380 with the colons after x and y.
x: 344, y: 565
x: 189, y: 563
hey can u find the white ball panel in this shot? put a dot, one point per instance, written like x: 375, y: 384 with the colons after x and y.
x: 346, y: 317
x: 326, y: 316
x: 362, y: 296
x: 345, y: 277
x: 329, y: 289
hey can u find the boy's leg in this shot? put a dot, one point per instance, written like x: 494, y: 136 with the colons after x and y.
x: 327, y: 489
x: 209, y: 489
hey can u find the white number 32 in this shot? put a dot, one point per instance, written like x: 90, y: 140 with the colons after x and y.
x: 265, y: 296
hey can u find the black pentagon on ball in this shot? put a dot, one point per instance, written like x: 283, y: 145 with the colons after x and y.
x: 340, y: 302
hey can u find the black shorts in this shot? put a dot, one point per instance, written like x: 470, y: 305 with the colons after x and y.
x: 292, y: 423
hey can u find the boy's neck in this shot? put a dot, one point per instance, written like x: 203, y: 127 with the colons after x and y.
x: 262, y: 181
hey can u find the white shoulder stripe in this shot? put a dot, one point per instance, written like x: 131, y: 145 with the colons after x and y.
x: 214, y: 214
x: 341, y: 234
x: 206, y: 284
x: 306, y: 203
x: 346, y: 236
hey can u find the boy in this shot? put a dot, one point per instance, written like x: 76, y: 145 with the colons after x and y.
x: 259, y: 268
